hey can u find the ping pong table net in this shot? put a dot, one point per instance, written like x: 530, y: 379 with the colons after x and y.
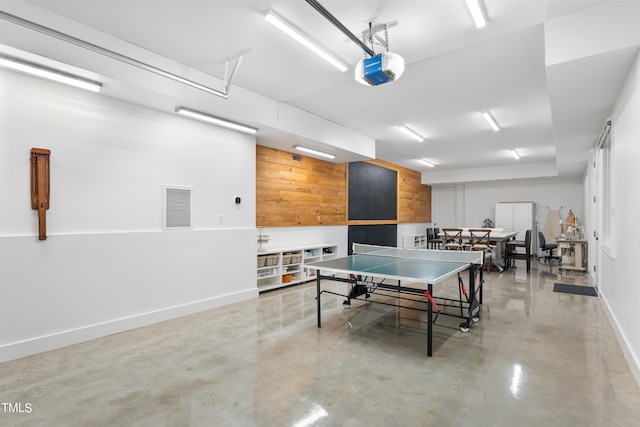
x: 470, y: 257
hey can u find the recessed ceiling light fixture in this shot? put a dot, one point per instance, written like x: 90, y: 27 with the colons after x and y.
x: 427, y: 162
x: 406, y: 129
x: 295, y: 34
x: 316, y: 152
x: 515, y: 153
x: 216, y: 120
x: 49, y: 73
x: 492, y: 122
x: 476, y: 13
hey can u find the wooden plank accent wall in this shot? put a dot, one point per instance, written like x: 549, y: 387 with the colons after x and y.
x: 314, y: 192
x: 305, y: 193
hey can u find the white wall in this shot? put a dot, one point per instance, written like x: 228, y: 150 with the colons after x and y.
x: 547, y: 193
x: 618, y: 278
x: 107, y: 265
x: 281, y: 237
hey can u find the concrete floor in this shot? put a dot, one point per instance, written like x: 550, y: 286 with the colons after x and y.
x: 536, y: 358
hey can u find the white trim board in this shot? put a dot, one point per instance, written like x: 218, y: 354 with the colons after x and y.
x: 632, y: 359
x: 62, y: 339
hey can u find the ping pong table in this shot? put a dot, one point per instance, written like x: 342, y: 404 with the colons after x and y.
x: 369, y: 266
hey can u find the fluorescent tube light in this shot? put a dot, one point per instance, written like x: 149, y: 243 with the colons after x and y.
x: 492, y: 122
x: 288, y: 29
x: 427, y: 162
x: 216, y: 120
x: 50, y: 74
x: 106, y: 52
x: 476, y: 13
x: 406, y: 129
x: 515, y: 154
x: 312, y: 151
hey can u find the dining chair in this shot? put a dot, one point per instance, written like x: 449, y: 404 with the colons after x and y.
x: 453, y: 239
x: 429, y: 236
x: 513, y: 254
x: 480, y: 241
x: 433, y: 240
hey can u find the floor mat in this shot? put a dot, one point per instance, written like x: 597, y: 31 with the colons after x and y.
x: 575, y: 289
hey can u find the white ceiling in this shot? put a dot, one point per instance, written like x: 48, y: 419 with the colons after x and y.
x: 549, y: 71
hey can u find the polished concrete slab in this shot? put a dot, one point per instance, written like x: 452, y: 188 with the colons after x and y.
x: 536, y: 358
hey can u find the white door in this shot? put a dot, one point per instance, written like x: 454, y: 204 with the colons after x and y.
x: 593, y: 249
x: 444, y: 207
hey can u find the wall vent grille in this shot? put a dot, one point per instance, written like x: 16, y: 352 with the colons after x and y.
x: 177, y: 208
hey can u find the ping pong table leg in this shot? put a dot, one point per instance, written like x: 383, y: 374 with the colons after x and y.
x: 318, y: 297
x: 481, y: 284
x: 475, y: 301
x: 476, y: 278
x: 472, y: 282
x: 430, y: 324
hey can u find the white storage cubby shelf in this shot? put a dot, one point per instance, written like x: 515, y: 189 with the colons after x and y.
x: 414, y: 241
x: 285, y: 266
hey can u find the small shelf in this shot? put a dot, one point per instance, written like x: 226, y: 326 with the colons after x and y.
x: 265, y: 273
x: 286, y: 266
x: 312, y: 255
x: 414, y: 241
x: 329, y: 252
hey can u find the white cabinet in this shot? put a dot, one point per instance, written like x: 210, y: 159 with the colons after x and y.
x: 516, y: 216
x: 414, y: 241
x: 286, y: 266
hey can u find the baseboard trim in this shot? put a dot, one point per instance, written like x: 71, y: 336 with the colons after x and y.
x: 632, y: 359
x: 61, y: 339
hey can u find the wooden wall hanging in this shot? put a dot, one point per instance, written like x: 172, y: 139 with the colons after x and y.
x: 40, y: 187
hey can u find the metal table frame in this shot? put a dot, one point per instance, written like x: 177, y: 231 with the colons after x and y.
x: 366, y: 282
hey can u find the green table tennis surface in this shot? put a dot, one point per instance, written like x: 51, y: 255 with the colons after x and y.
x: 434, y: 266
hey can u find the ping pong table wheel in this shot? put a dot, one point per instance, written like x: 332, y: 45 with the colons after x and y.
x: 346, y: 303
x: 475, y: 319
x: 464, y: 327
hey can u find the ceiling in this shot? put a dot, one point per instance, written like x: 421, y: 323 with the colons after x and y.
x: 549, y: 72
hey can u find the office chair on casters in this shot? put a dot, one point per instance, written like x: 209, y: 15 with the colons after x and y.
x: 548, y: 248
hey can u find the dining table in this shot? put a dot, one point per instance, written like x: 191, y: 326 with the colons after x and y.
x: 498, y: 237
